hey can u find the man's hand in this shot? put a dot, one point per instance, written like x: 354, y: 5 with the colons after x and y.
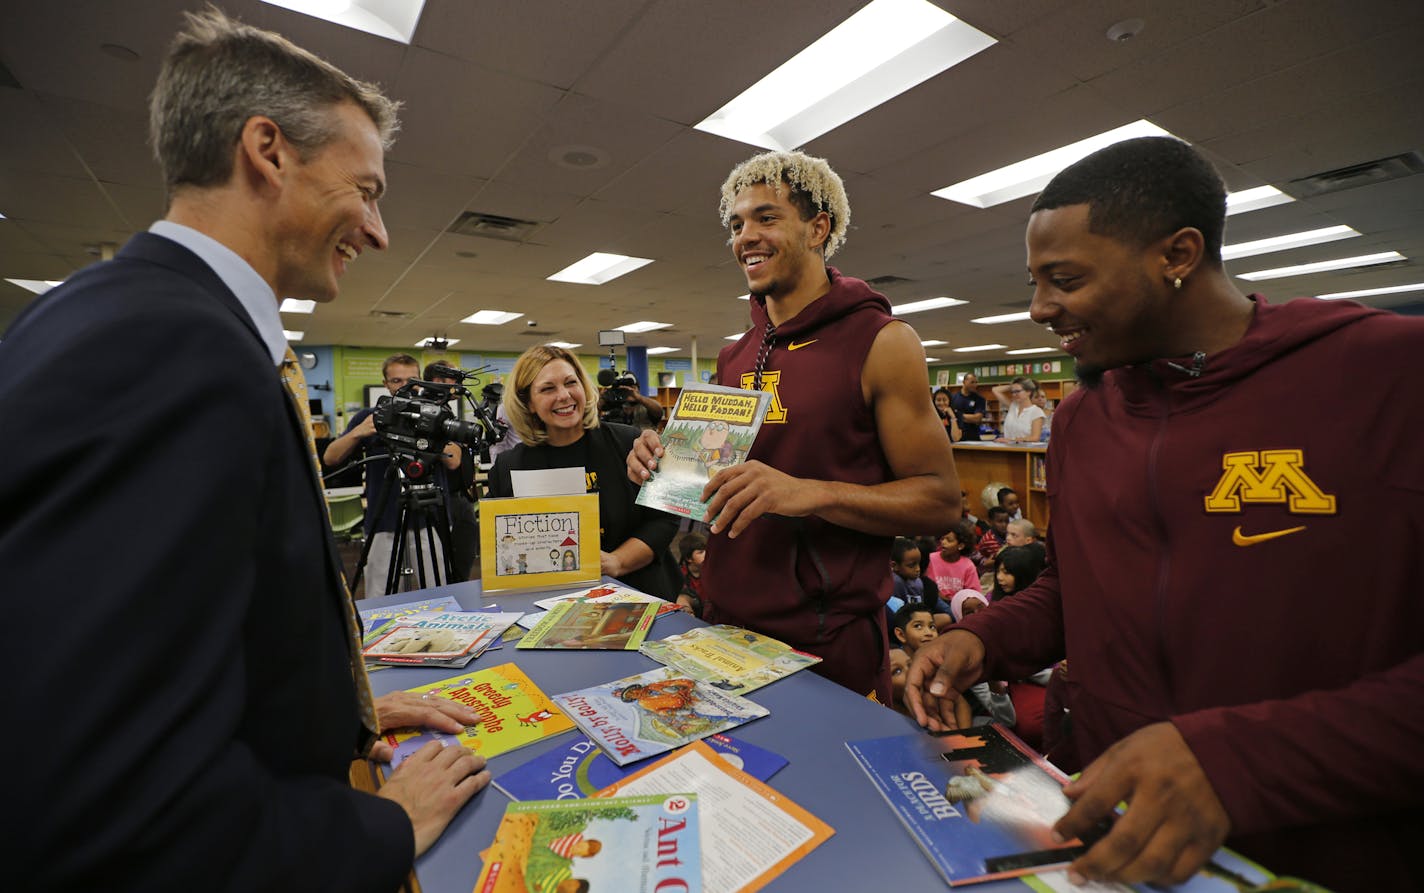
x: 403, y: 710
x: 741, y: 494
x: 367, y: 428
x: 643, y: 459
x: 943, y: 669
x: 1174, y: 820
x: 432, y: 784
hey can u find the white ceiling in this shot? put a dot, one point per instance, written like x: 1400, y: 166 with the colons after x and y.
x: 496, y: 90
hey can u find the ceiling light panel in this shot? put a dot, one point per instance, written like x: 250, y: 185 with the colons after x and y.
x: 491, y: 317
x: 933, y: 343
x: 654, y: 351
x: 980, y: 347
x: 1028, y: 350
x: 599, y: 268
x: 566, y: 345
x: 38, y: 286
x: 1255, y: 199
x: 297, y: 305
x: 1370, y: 292
x: 293, y: 336
x: 1287, y: 242
x: 426, y: 342
x: 1324, y: 266
x: 645, y: 326
x: 1003, y: 317
x: 928, y: 304
x: 875, y: 55
x: 391, y: 19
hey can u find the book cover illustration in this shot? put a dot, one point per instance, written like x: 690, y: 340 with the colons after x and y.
x: 592, y: 625
x: 425, y: 606
x: 538, y: 542
x: 710, y: 428
x: 435, y: 638
x: 607, y: 592
x: 1227, y: 872
x: 978, y: 801
x: 513, y: 713
x: 751, y: 832
x: 580, y: 769
x: 627, y: 844
x: 653, y: 712
x: 728, y: 657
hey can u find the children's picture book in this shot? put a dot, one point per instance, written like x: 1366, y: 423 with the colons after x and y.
x: 728, y: 657
x: 736, y: 809
x: 709, y: 429
x: 370, y: 616
x: 604, y: 626
x: 435, y: 638
x: 627, y: 844
x: 580, y: 768
x: 513, y: 713
x: 607, y: 592
x: 653, y: 712
x: 979, y: 802
x: 539, y: 542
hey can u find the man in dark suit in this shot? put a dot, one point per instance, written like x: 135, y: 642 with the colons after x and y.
x: 187, y: 692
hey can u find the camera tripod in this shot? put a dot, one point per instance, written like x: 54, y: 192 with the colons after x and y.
x: 424, y: 516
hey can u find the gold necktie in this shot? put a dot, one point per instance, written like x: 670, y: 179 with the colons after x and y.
x: 296, y: 384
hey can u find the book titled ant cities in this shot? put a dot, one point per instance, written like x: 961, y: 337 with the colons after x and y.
x: 710, y: 428
x: 631, y: 844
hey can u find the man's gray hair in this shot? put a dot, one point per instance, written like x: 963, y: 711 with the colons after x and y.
x: 220, y: 72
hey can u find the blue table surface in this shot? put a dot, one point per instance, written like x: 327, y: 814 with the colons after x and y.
x: 810, y: 721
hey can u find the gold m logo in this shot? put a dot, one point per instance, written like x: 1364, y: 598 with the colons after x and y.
x: 775, y: 413
x: 1271, y: 476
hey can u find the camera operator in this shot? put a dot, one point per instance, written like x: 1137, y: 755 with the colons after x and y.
x: 459, y: 481
x: 622, y: 402
x: 360, y: 437
x: 493, y: 394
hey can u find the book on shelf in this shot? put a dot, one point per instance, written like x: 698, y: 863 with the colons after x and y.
x: 435, y: 638
x: 979, y: 802
x: 539, y: 542
x: 728, y: 657
x: 641, y: 844
x: 581, y: 768
x: 608, y: 626
x: 653, y: 712
x: 513, y: 712
x: 737, y: 810
x: 710, y: 428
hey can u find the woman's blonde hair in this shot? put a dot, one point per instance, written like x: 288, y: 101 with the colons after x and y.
x: 527, y: 425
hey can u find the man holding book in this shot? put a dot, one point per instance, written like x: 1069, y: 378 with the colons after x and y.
x: 200, y: 658
x: 850, y: 453
x: 1215, y: 685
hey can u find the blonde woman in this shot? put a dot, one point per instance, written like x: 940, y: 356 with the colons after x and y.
x: 552, y: 405
x: 1023, y: 422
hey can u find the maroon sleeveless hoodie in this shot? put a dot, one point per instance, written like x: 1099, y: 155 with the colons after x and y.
x: 814, y: 585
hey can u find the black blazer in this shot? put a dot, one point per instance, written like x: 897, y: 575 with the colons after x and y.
x: 183, y: 692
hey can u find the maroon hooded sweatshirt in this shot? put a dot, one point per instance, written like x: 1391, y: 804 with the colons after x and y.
x: 814, y: 585
x: 1202, y: 570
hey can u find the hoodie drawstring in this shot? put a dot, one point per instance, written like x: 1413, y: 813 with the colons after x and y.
x: 768, y: 341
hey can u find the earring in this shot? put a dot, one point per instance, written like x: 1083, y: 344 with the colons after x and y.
x: 1177, y: 283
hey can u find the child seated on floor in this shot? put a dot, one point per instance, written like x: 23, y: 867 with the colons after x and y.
x: 909, y: 586
x: 950, y: 567
x: 1015, y: 568
x: 693, y: 549
x: 988, y: 701
x: 993, y: 540
x: 912, y: 627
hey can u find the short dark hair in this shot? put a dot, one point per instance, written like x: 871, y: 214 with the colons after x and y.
x: 398, y: 359
x: 690, y: 543
x: 1138, y: 191
x: 902, y: 545
x: 906, y: 613
x: 998, y: 511
x: 1004, y: 491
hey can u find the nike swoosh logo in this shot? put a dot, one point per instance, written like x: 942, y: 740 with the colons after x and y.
x: 794, y: 346
x: 1242, y: 539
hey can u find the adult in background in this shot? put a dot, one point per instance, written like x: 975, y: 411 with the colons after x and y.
x: 361, y: 439
x: 207, y: 633
x: 547, y: 399
x: 969, y: 406
x: 1023, y: 421
x: 1215, y: 686
x: 943, y: 408
x: 459, y: 489
x: 850, y: 453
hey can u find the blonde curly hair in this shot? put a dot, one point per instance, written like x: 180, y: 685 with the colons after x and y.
x: 808, y: 182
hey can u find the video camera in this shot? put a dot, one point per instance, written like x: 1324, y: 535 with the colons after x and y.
x: 417, y: 422
x: 620, y: 396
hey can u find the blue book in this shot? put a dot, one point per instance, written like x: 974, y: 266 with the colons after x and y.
x: 979, y: 802
x: 581, y: 768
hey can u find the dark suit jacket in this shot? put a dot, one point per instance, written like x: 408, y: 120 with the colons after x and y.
x: 180, y: 700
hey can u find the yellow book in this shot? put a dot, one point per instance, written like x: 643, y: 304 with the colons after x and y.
x: 539, y: 542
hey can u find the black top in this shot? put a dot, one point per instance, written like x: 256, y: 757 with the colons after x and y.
x: 963, y: 403
x: 602, y: 452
